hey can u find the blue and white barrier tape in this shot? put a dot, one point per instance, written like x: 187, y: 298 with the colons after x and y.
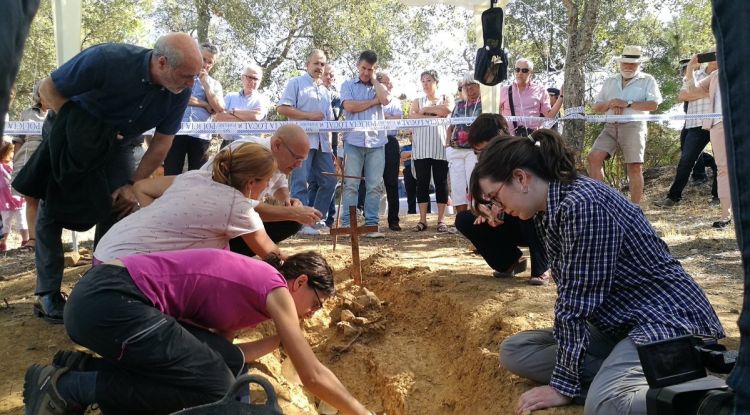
x: 35, y: 128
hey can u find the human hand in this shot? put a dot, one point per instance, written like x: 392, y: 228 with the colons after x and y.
x: 124, y: 201
x: 203, y: 75
x: 337, y: 164
x: 617, y: 103
x: 316, y: 116
x: 693, y: 64
x: 293, y: 202
x: 306, y: 215
x: 540, y: 397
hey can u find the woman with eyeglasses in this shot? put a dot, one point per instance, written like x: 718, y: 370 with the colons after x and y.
x: 524, y: 98
x: 617, y: 284
x: 495, y: 235
x: 164, y: 325
x: 428, y: 149
x: 198, y: 209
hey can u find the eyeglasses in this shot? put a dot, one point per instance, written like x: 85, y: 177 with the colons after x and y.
x: 296, y: 157
x: 524, y: 70
x: 250, y: 77
x: 320, y: 303
x: 491, y: 199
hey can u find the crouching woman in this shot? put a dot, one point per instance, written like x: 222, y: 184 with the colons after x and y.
x: 162, y: 323
x: 617, y: 283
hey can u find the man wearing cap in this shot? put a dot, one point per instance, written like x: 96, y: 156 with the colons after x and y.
x: 554, y: 97
x: 460, y: 155
x: 524, y: 98
x: 631, y: 92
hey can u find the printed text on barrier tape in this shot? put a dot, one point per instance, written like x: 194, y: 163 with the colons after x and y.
x: 35, y: 128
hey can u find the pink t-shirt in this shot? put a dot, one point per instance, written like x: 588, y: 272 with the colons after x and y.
x: 8, y: 201
x: 532, y: 102
x: 211, y: 288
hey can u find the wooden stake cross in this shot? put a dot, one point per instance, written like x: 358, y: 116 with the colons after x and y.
x: 354, y: 231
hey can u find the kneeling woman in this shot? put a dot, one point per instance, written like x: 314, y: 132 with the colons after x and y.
x: 617, y: 283
x: 163, y: 324
x: 198, y: 209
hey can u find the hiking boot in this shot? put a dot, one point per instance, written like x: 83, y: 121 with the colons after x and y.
x: 40, y: 394
x: 72, y: 359
x: 50, y: 307
x: 517, y: 268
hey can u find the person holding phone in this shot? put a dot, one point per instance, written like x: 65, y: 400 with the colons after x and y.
x: 715, y: 129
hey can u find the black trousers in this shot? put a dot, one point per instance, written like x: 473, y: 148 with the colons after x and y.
x: 438, y: 169
x: 390, y: 177
x: 194, y: 148
x: 692, y: 158
x: 410, y: 183
x: 499, y: 245
x: 277, y: 231
x: 154, y: 364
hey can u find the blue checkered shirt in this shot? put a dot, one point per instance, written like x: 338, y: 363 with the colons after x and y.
x: 615, y: 273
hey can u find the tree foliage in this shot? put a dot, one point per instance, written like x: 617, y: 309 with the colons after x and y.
x: 101, y: 21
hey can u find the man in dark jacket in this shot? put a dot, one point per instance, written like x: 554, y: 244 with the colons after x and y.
x: 129, y: 90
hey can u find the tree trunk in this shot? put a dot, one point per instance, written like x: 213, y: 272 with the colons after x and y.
x: 580, y: 38
x: 204, y: 19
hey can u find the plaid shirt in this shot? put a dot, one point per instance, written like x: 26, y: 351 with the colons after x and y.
x: 697, y: 106
x: 614, y: 272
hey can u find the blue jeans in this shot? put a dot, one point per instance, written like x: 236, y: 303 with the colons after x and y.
x: 731, y: 31
x: 317, y: 162
x: 373, y: 161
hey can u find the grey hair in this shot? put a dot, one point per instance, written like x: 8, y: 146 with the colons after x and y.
x: 172, y: 54
x: 255, y: 68
x: 313, y: 53
x: 527, y: 61
x: 379, y: 75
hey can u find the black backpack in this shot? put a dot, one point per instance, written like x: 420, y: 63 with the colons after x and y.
x: 491, y: 64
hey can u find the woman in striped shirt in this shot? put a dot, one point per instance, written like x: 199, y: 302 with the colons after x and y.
x: 428, y: 150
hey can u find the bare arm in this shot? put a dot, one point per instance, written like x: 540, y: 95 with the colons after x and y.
x: 261, y: 244
x: 295, y: 114
x: 443, y: 109
x: 259, y: 348
x: 148, y: 190
x: 552, y: 113
x: 644, y: 106
x: 381, y: 92
x: 686, y: 95
x: 301, y: 214
x: 359, y: 106
x: 317, y: 378
x: 49, y: 93
x: 215, y: 100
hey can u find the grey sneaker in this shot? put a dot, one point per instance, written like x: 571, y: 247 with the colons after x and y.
x: 666, y: 203
x: 309, y: 231
x: 374, y: 235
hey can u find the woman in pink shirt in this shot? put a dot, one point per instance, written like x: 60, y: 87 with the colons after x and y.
x: 164, y: 324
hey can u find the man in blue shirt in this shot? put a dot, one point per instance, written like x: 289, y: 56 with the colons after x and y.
x: 363, y: 100
x: 306, y: 98
x: 152, y: 93
x: 206, y: 99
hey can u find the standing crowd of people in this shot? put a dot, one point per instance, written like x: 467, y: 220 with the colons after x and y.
x: 184, y: 261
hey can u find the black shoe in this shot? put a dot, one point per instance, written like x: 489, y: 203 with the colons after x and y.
x: 40, y: 394
x: 715, y: 201
x: 700, y: 181
x: 666, y: 203
x: 50, y: 307
x: 394, y: 227
x: 719, y: 224
x: 72, y: 359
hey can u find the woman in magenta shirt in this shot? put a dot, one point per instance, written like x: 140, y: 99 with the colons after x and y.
x: 164, y: 323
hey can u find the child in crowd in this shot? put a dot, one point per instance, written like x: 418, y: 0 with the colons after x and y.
x: 12, y: 208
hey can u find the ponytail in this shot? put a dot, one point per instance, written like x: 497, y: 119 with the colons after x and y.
x: 248, y: 162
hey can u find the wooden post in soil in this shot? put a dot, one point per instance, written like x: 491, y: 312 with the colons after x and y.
x: 354, y: 231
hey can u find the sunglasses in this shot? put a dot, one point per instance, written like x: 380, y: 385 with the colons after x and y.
x: 524, y: 70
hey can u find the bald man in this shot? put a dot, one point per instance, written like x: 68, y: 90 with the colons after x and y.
x: 152, y: 92
x: 290, y: 147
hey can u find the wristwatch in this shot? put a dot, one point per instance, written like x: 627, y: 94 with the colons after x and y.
x: 630, y: 104
x: 233, y: 110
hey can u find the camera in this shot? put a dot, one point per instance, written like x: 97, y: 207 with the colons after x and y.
x: 678, y: 382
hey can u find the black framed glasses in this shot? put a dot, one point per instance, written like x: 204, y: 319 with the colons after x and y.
x: 522, y: 70
x: 296, y: 157
x: 320, y: 303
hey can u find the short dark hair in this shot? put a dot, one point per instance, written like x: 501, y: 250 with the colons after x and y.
x: 486, y: 127
x: 368, y: 56
x: 432, y: 73
x: 319, y: 273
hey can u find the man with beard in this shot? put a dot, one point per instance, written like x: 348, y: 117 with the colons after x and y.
x: 631, y: 92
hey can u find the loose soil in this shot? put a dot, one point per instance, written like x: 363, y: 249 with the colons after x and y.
x: 423, y: 338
